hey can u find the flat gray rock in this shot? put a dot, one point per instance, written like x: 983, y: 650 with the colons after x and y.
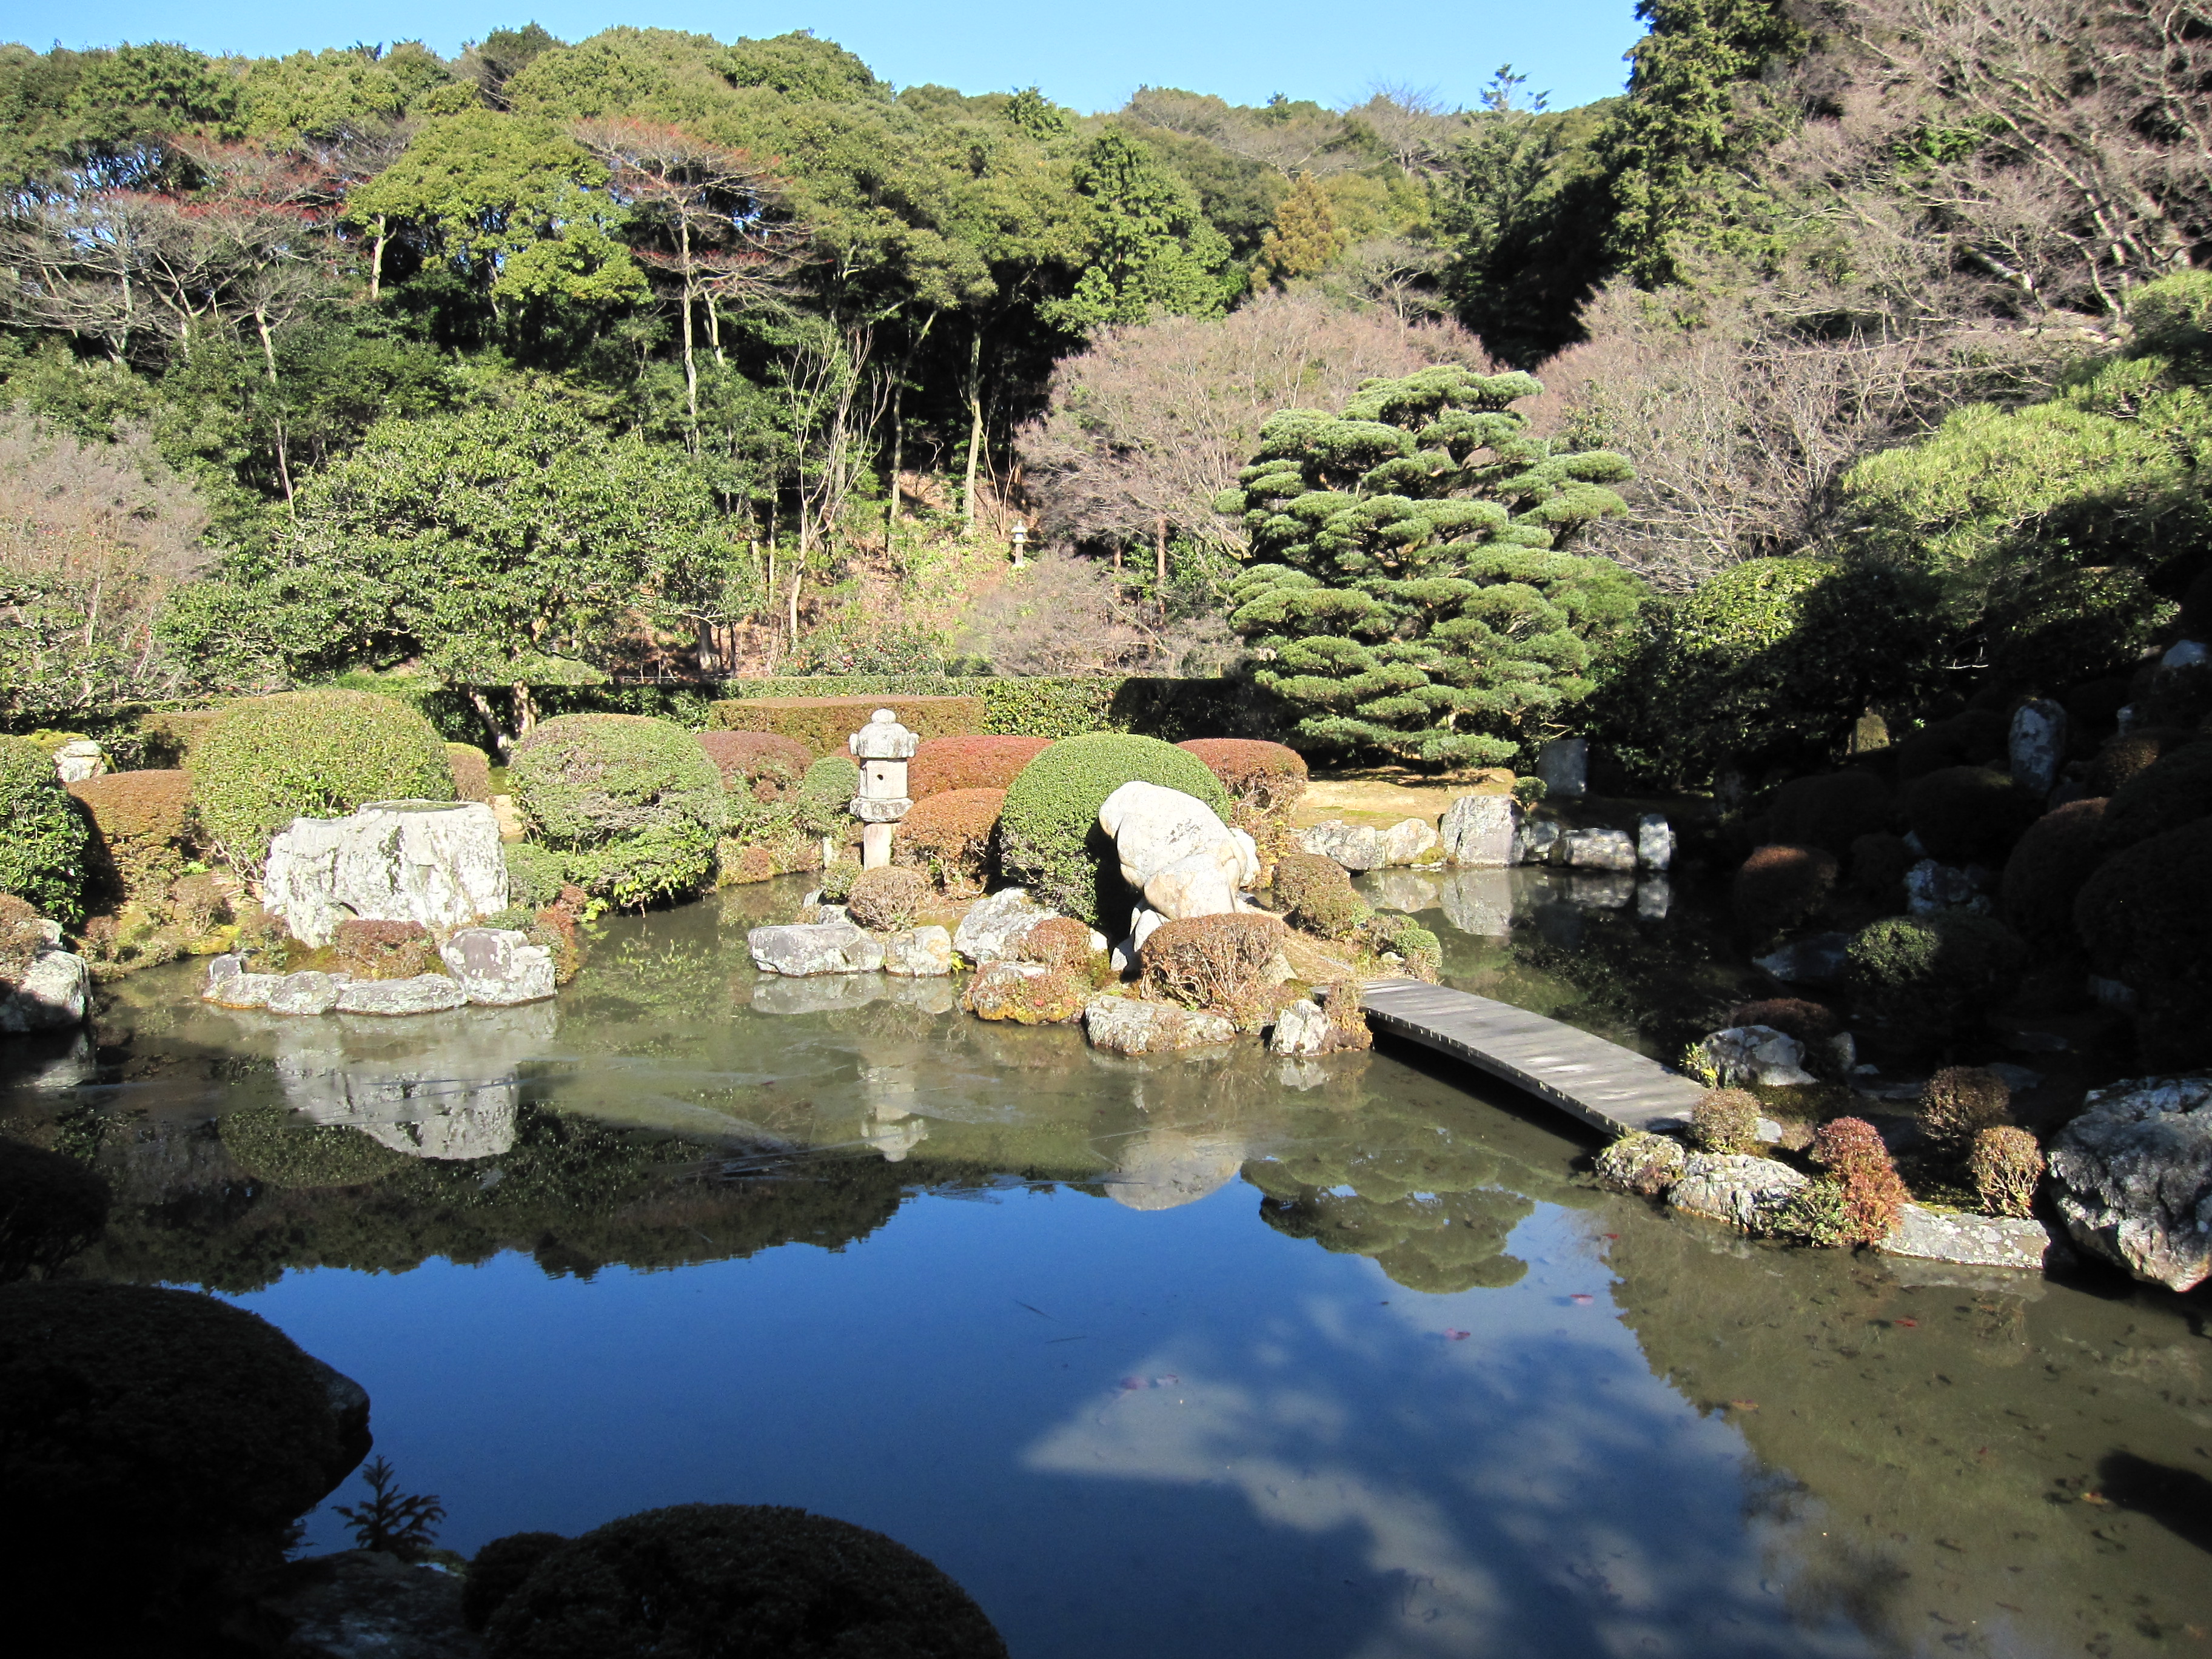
x: 1733, y: 1187
x: 425, y: 993
x: 1975, y: 1241
x: 1125, y: 1025
x: 306, y: 992
x: 2132, y: 1176
x: 807, y: 948
x: 1600, y: 849
x: 498, y: 967
x: 54, y: 993
x: 993, y: 928
x: 918, y: 952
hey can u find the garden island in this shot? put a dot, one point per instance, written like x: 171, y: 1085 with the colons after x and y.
x: 793, y: 866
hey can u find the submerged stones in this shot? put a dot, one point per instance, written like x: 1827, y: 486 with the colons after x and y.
x: 436, y: 863
x: 2132, y: 1176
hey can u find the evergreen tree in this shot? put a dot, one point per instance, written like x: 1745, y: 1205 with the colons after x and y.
x: 1305, y: 240
x: 1151, y: 246
x: 1409, y: 596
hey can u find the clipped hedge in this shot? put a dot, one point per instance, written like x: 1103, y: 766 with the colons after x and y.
x: 471, y: 769
x: 630, y: 805
x: 1059, y: 706
x: 1975, y: 738
x: 1268, y: 778
x: 2133, y: 752
x: 309, y: 754
x: 824, y: 724
x: 2043, y: 875
x: 2146, y: 916
x: 44, y: 850
x: 144, y: 823
x: 169, y: 740
x: 1780, y: 887
x: 2173, y: 791
x: 1832, y: 811
x: 951, y: 836
x: 942, y: 765
x: 1048, y: 835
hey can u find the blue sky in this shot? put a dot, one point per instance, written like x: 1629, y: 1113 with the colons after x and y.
x: 1090, y: 56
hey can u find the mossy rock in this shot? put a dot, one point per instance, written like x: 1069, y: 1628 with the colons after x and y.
x: 631, y: 806
x: 44, y: 854
x: 270, y: 1144
x: 704, y: 1580
x: 1049, y: 835
x: 266, y: 761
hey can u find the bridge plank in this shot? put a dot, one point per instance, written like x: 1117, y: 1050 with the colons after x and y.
x: 1607, y: 1086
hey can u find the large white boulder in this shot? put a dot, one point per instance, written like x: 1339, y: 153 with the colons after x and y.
x: 54, y: 992
x: 824, y: 947
x: 2132, y: 1175
x: 1176, y: 851
x: 433, y: 862
x: 1478, y: 831
x: 76, y: 761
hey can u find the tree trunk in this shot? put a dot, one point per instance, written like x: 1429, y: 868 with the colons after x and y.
x: 376, y: 262
x: 898, y: 426
x: 1160, y: 561
x: 525, y: 713
x: 501, y: 743
x: 690, y: 363
x: 974, y: 390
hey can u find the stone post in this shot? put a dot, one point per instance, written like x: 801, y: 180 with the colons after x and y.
x: 882, y: 747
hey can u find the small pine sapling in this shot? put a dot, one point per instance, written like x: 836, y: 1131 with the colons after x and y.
x: 405, y: 1524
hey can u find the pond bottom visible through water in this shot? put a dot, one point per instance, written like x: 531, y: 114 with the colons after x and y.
x: 1191, y: 1355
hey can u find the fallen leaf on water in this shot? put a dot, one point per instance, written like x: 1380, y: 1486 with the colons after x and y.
x: 2196, y: 1631
x: 1615, y: 1237
x: 1580, y: 1300
x: 1909, y: 1324
x: 1457, y: 1336
x: 1743, y: 1405
x: 2097, y: 1498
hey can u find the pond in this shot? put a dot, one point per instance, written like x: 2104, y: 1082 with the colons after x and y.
x: 1183, y: 1356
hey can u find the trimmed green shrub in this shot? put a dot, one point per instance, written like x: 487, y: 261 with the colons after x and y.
x: 272, y: 1144
x: 144, y: 825
x: 51, y: 1207
x: 1726, y: 1120
x: 1968, y: 814
x: 1817, y: 1213
x: 2006, y: 1166
x: 824, y: 724
x: 1318, y: 897
x: 1049, y: 838
x: 2146, y: 916
x: 1929, y: 975
x: 169, y: 740
x: 837, y: 879
x: 1832, y: 811
x: 2133, y: 752
x: 952, y: 835
x: 942, y: 765
x: 1973, y: 738
x: 884, y: 898
x: 2178, y: 697
x: 1780, y: 887
x: 713, y: 1581
x: 2174, y: 790
x: 2043, y: 875
x: 1000, y: 993
x: 1387, y: 933
x: 1879, y: 864
x: 183, y: 1434
x: 631, y: 805
x: 471, y: 770
x: 309, y: 754
x: 2071, y: 624
x: 498, y: 1570
x: 824, y: 806
x: 44, y: 853
x: 1958, y: 1104
x: 535, y: 875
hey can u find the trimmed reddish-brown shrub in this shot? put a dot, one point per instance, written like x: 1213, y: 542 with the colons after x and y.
x: 887, y: 897
x: 1208, y: 962
x: 1831, y: 811
x: 746, y: 864
x: 1780, y: 887
x: 1726, y: 1120
x: 943, y: 764
x: 1318, y: 895
x: 952, y: 837
x: 471, y: 769
x: 1062, y: 942
x: 1973, y: 739
x: 1968, y: 814
x: 2007, y: 1166
x: 1958, y: 1104
x: 146, y: 826
x: 1851, y: 1150
x: 2043, y: 875
x: 2134, y: 751
x: 1266, y: 776
x: 762, y: 763
x: 1810, y: 1022
x: 384, y: 950
x: 1879, y: 864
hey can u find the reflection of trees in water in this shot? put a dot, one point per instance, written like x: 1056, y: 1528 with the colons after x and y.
x: 249, y: 1201
x: 1942, y: 1426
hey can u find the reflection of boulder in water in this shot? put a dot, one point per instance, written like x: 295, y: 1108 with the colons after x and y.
x: 818, y: 993
x: 1166, y: 1169
x: 1926, y: 1416
x: 48, y: 1060
x: 443, y: 1087
x: 1478, y: 902
x: 1438, y: 1242
x: 1398, y: 890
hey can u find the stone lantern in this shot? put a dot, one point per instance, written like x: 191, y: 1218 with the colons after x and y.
x: 882, y: 747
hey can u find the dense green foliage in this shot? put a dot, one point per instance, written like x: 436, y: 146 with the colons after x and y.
x: 1053, y: 706
x: 1932, y: 975
x: 1049, y: 838
x: 630, y: 806
x: 44, y: 854
x: 309, y: 754
x: 1407, y: 595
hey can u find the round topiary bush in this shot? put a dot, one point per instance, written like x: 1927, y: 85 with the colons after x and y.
x: 941, y: 765
x: 2146, y: 916
x: 1318, y: 895
x: 1879, y: 864
x: 2174, y: 790
x: 885, y: 898
x: 145, y: 827
x: 1831, y: 811
x: 1973, y: 739
x: 471, y: 770
x: 1929, y: 975
x: 631, y: 806
x: 43, y: 854
x: 2071, y: 624
x: 535, y: 875
x: 824, y: 801
x: 1268, y: 779
x: 1048, y: 835
x: 2136, y: 751
x: 1058, y: 942
x: 1967, y: 814
x: 1958, y: 1104
x: 1388, y: 933
x: 952, y: 836
x: 762, y: 764
x: 273, y: 1145
x: 2043, y: 875
x: 1726, y: 1120
x: 266, y: 761
x: 170, y: 1440
x: 498, y: 1570
x: 1780, y: 887
x: 51, y: 1207
x: 713, y: 1581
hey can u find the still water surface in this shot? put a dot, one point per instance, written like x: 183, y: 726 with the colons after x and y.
x: 1188, y: 1356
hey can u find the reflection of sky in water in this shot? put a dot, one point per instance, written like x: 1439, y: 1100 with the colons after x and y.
x: 1157, y: 1433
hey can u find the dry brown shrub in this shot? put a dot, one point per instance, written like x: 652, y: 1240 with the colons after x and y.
x: 1318, y: 895
x: 384, y: 950
x: 886, y: 897
x: 1851, y: 1150
x: 1348, y: 1030
x: 953, y: 837
x: 1958, y: 1104
x: 2007, y: 1167
x: 1780, y: 887
x: 1061, y: 942
x: 1726, y: 1120
x: 1206, y: 961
